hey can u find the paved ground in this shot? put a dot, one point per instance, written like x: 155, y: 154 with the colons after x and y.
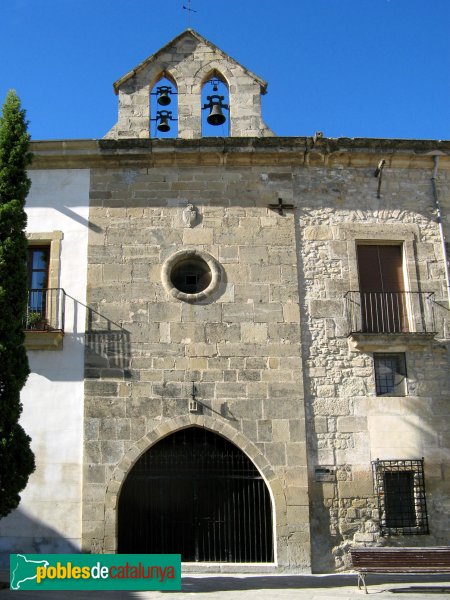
x: 270, y: 587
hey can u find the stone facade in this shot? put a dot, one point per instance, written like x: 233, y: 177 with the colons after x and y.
x: 348, y: 425
x: 241, y: 345
x: 278, y: 365
x: 257, y: 371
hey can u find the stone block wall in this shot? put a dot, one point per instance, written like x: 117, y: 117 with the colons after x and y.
x: 189, y: 61
x: 241, y: 346
x: 258, y: 361
x: 348, y: 426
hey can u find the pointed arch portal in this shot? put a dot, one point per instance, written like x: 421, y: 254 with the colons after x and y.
x: 196, y: 494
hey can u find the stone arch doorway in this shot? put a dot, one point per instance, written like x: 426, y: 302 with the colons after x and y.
x: 196, y: 494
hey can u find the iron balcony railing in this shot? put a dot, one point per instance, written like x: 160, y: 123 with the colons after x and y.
x: 390, y: 312
x: 45, y: 310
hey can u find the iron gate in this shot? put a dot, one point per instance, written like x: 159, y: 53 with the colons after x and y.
x: 196, y: 494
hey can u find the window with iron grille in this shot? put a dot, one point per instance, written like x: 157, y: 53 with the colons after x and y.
x: 390, y: 374
x: 400, y: 488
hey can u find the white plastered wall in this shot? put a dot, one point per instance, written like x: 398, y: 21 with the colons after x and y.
x: 49, y: 516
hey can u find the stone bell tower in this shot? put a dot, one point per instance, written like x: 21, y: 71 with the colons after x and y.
x: 189, y: 61
x: 192, y: 255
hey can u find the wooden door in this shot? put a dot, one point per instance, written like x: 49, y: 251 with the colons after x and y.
x: 381, y: 285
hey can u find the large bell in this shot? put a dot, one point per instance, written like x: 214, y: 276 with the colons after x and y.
x: 216, y: 116
x: 163, y: 98
x: 163, y: 126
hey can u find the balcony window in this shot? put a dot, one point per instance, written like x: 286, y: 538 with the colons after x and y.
x: 38, y: 266
x: 383, y: 316
x: 381, y: 284
x: 44, y: 318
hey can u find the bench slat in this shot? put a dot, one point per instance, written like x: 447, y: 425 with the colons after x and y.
x: 400, y: 560
x: 401, y: 556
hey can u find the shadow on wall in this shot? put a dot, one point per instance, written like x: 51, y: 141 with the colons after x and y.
x: 301, y: 583
x: 442, y: 319
x: 107, y: 347
x: 31, y: 536
x: 322, y: 539
x: 104, y: 344
x: 34, y: 537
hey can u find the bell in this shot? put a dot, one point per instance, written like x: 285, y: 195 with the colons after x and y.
x: 164, y: 99
x: 163, y: 126
x: 216, y: 116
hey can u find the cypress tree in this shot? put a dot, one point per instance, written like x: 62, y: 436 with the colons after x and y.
x: 16, y: 457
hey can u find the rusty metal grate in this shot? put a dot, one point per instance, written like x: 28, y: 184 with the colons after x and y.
x: 400, y: 488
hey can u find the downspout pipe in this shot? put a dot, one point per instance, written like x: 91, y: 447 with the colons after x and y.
x: 439, y: 221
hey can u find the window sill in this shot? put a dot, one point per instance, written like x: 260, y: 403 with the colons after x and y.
x: 44, y: 340
x: 404, y: 531
x: 394, y: 342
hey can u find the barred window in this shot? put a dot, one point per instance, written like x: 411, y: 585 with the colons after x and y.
x: 400, y: 488
x: 390, y: 374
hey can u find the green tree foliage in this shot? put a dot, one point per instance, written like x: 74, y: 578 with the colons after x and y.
x: 16, y: 457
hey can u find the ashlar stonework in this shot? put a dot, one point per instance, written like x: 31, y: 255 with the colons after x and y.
x: 189, y: 61
x: 241, y: 345
x: 274, y: 348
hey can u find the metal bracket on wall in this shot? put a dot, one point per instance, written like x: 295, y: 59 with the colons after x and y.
x: 379, y: 174
x: 193, y: 404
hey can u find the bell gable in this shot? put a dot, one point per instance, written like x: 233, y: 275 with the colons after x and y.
x: 189, y: 61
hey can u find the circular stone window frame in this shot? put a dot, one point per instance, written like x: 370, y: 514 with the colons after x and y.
x: 181, y: 255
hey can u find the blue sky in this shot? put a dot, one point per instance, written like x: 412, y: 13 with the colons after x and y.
x: 355, y: 68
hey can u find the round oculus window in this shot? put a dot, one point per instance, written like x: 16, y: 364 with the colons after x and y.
x: 191, y: 275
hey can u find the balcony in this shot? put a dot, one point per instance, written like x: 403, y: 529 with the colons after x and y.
x: 399, y: 321
x: 44, y: 319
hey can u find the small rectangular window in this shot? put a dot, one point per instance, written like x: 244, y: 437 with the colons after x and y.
x: 191, y: 283
x: 400, y: 488
x: 399, y: 499
x: 390, y: 374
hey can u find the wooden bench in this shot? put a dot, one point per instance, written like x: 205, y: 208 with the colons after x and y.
x: 399, y: 560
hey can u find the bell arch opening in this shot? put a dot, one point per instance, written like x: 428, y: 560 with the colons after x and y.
x: 164, y: 108
x: 215, y: 100
x: 196, y: 494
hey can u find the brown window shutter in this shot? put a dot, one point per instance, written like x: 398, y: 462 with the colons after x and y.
x: 390, y: 260
x: 381, y: 287
x: 380, y: 268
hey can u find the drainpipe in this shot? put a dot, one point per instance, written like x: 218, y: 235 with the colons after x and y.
x: 439, y: 221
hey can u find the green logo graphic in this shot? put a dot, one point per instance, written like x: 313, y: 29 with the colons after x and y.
x: 95, y: 571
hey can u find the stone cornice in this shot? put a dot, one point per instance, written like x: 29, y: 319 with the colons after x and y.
x: 239, y: 152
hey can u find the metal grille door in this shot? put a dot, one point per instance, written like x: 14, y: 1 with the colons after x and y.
x: 196, y: 494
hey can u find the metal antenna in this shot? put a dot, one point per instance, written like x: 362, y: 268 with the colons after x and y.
x: 189, y: 11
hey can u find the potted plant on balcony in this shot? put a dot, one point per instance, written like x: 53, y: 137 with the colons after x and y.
x: 36, y: 321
